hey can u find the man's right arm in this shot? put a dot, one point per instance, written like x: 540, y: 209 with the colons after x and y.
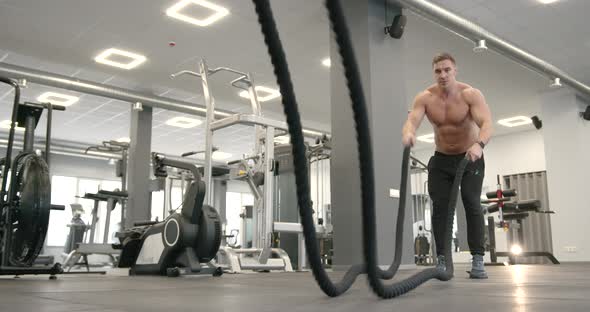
x: 414, y: 119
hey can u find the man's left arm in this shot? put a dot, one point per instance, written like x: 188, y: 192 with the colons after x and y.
x: 481, y: 114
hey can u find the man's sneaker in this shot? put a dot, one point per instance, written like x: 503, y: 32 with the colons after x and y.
x: 477, y: 268
x: 441, y: 263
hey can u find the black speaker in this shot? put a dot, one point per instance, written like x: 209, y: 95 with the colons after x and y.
x: 396, y: 30
x: 586, y: 113
x: 538, y: 123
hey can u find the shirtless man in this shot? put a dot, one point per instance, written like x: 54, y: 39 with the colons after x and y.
x: 462, y: 125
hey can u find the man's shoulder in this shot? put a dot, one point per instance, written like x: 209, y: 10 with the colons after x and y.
x: 426, y: 93
x: 468, y: 90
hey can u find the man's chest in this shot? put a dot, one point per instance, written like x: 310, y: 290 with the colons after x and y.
x: 447, y: 112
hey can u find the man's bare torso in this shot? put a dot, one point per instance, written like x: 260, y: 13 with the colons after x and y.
x: 454, y: 128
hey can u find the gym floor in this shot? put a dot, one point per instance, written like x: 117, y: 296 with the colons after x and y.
x: 564, y: 287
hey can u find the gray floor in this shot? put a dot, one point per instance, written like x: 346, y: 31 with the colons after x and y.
x: 523, y: 288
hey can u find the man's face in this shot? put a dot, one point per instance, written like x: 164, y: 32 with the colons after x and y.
x: 444, y: 73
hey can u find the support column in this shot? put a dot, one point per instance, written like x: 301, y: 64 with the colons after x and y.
x: 140, y: 197
x: 380, y: 60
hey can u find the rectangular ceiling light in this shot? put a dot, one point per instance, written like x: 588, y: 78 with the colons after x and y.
x: 6, y: 125
x: 106, y: 58
x: 547, y: 1
x: 217, y: 12
x: 515, y: 121
x: 57, y: 98
x: 428, y: 138
x: 327, y: 62
x: 124, y: 140
x: 263, y: 93
x: 183, y: 122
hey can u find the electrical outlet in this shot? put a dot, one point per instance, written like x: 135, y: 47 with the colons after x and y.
x: 393, y: 193
x: 570, y: 248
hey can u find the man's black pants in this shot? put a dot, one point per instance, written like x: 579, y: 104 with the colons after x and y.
x: 441, y: 173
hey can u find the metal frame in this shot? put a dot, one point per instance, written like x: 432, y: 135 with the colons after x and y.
x: 258, y: 257
x: 237, y: 264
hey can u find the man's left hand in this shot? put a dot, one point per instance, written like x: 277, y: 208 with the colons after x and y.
x: 474, y: 153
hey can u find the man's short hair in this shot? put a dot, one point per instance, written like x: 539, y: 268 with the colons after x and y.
x: 443, y: 56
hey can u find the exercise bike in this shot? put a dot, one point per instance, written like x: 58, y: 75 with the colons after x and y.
x: 180, y: 244
x: 25, y: 202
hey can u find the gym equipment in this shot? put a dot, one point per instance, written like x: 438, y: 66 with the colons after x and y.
x: 77, y: 227
x: 422, y: 207
x: 375, y: 274
x: 77, y: 250
x: 184, y: 177
x: 83, y: 250
x: 421, y: 248
x: 511, y: 215
x: 180, y: 243
x: 255, y: 170
x: 25, y: 203
x: 120, y: 165
x: 287, y: 228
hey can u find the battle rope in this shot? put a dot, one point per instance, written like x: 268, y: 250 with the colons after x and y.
x: 281, y: 70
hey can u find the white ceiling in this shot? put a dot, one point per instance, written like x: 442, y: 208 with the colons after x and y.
x: 555, y: 32
x: 63, y: 36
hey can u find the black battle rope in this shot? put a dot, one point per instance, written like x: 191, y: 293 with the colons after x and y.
x: 367, y: 174
x: 281, y: 70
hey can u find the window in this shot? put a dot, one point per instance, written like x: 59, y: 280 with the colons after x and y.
x: 177, y: 198
x: 158, y: 200
x: 234, y: 203
x: 319, y: 174
x: 158, y: 205
x: 64, y: 191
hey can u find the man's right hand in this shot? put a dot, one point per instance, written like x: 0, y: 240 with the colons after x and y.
x: 414, y: 119
x: 409, y: 139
